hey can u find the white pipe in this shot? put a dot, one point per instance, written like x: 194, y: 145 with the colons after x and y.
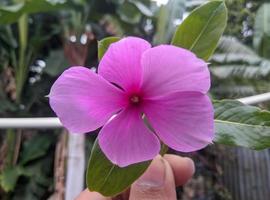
x: 54, y: 122
x: 76, y: 152
x: 44, y: 122
x: 255, y: 99
x: 75, y: 166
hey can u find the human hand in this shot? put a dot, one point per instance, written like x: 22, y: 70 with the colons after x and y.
x: 157, y: 183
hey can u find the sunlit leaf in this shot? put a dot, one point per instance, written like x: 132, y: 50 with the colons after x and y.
x: 104, y: 44
x: 202, y: 29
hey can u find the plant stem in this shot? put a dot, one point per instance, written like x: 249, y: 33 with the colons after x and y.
x: 21, y: 71
x: 11, y: 142
x: 163, y: 150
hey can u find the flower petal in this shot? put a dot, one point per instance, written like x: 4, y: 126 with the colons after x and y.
x: 121, y: 64
x: 183, y: 120
x: 83, y: 100
x: 126, y: 140
x: 168, y: 69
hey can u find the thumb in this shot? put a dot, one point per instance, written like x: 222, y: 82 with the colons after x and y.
x: 156, y: 183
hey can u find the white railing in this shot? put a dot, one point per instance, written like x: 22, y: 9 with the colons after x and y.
x: 76, y: 151
x: 256, y: 99
x: 34, y: 123
x: 53, y: 122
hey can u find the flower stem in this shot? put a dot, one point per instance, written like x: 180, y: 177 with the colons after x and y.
x: 163, y: 150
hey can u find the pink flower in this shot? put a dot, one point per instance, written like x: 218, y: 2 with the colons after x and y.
x: 167, y: 84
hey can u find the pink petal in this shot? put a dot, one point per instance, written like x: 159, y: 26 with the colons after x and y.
x: 83, y: 100
x: 126, y: 140
x: 183, y: 120
x: 168, y: 69
x: 121, y: 64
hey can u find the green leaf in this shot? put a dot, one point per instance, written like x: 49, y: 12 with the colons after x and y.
x: 9, y: 177
x: 143, y: 8
x: 166, y: 17
x: 264, y: 47
x: 237, y: 124
x: 232, y: 45
x: 35, y: 148
x: 241, y: 71
x: 236, y: 60
x: 202, y: 29
x: 262, y: 29
x: 107, y: 178
x: 129, y: 13
x: 56, y: 63
x: 104, y: 44
x: 11, y: 14
x: 37, y: 177
x: 35, y: 6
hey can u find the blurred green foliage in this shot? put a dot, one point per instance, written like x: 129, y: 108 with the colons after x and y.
x: 39, y: 39
x: 207, y: 23
x: 241, y: 19
x: 31, y: 176
x: 240, y: 66
x: 261, y: 39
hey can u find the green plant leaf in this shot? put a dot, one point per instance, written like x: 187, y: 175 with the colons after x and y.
x: 202, y: 29
x: 241, y: 71
x: 11, y: 14
x: 237, y: 124
x: 143, y: 8
x: 129, y: 13
x: 9, y: 177
x: 107, y: 178
x: 261, y: 39
x: 232, y: 45
x: 35, y: 148
x: 264, y: 47
x: 35, y: 6
x: 104, y: 44
x: 56, y: 63
x: 166, y: 17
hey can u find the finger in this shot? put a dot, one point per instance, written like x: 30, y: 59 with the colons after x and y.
x: 87, y: 195
x: 183, y: 168
x: 156, y: 183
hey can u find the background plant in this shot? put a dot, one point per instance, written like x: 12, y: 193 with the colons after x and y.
x: 39, y: 39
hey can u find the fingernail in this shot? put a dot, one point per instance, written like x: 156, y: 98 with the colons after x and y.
x: 191, y: 164
x: 154, y: 175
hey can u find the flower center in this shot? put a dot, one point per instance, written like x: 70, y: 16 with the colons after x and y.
x: 134, y: 99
